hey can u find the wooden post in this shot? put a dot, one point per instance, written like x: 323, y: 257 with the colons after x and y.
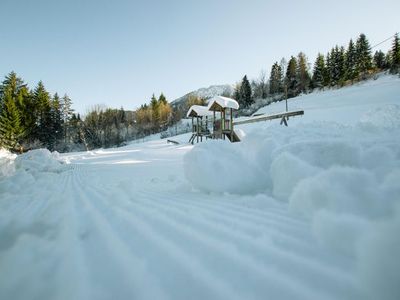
x: 231, y: 120
x: 214, y: 124
x: 197, y: 129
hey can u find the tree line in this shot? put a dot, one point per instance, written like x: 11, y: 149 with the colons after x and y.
x: 32, y: 118
x: 340, y: 66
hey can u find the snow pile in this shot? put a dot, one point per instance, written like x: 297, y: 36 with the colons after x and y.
x: 6, y: 163
x: 40, y: 160
x: 387, y: 116
x: 344, y: 179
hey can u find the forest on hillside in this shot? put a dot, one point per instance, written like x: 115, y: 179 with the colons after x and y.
x: 33, y: 118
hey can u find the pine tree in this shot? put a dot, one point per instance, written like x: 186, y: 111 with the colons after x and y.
x: 41, y: 99
x: 341, y: 64
x: 328, y: 68
x: 12, y: 83
x: 303, y: 76
x: 275, y: 79
x: 379, y: 60
x: 351, y: 62
x: 154, y: 112
x: 19, y: 92
x: 11, y: 131
x: 56, y: 120
x: 245, y: 93
x: 319, y: 73
x: 395, y: 55
x: 162, y: 99
x: 236, y: 93
x: 291, y: 78
x: 66, y: 114
x: 363, y: 50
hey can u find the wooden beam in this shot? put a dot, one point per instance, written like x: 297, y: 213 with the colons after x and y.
x: 271, y: 117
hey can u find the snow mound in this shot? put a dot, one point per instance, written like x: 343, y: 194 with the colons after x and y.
x: 40, y: 160
x: 6, y: 163
x: 344, y: 179
x: 387, y: 116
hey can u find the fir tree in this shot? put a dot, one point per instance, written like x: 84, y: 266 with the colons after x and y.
x: 395, y: 55
x: 328, y: 68
x: 56, y: 120
x: 319, y: 73
x: 236, y: 93
x: 12, y: 83
x: 303, y: 76
x: 379, y: 60
x: 245, y: 92
x: 154, y: 112
x: 66, y: 114
x: 351, y: 62
x: 21, y: 97
x: 162, y: 99
x: 291, y: 78
x: 11, y: 131
x: 275, y: 79
x: 363, y: 50
x: 43, y: 114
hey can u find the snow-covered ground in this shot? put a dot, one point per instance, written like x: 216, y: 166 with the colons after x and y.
x: 309, y: 211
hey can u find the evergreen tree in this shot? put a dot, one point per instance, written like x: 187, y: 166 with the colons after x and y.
x: 66, y: 114
x: 43, y: 128
x: 236, y: 93
x: 291, y: 78
x: 245, y: 93
x: 162, y: 99
x: 56, y: 120
x: 395, y: 55
x: 328, y: 68
x: 12, y: 83
x: 351, y: 62
x: 154, y: 112
x: 319, y: 73
x: 11, y: 131
x: 21, y: 98
x: 275, y: 79
x: 303, y: 76
x: 363, y: 50
x: 379, y: 60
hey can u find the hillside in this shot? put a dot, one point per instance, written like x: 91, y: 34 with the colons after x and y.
x: 309, y: 211
x: 209, y: 92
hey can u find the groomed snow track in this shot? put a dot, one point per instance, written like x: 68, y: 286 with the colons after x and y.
x: 89, y: 240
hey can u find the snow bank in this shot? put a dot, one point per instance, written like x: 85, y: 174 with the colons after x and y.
x: 27, y: 169
x: 6, y: 163
x: 344, y: 179
x: 40, y: 160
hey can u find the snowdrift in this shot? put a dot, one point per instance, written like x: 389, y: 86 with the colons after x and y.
x: 28, y: 168
x: 345, y: 179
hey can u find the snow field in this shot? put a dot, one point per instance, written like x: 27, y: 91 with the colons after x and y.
x: 343, y: 177
x: 310, y: 211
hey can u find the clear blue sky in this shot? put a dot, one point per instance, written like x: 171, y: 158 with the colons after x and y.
x: 118, y: 53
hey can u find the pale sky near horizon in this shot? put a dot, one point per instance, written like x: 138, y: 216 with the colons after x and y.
x: 118, y: 53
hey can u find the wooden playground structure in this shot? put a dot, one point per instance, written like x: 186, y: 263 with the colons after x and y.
x: 223, y: 127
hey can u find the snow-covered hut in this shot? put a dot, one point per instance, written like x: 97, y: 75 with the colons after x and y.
x: 200, y: 128
x: 224, y: 126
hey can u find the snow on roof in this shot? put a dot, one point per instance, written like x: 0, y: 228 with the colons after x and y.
x: 198, y: 111
x: 218, y: 101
